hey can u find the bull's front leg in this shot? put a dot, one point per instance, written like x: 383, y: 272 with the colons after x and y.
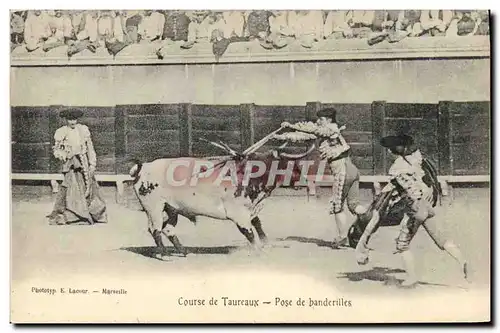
x: 248, y: 233
x: 241, y: 217
x: 257, y: 206
x: 257, y: 224
x: 169, y: 229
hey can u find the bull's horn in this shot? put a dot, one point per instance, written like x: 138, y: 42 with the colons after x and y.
x: 297, y: 156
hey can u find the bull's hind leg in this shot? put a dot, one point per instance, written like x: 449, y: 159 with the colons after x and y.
x: 159, y: 243
x: 257, y: 224
x: 155, y: 217
x: 169, y: 228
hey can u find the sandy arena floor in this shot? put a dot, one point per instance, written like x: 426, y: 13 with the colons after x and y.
x: 299, y: 232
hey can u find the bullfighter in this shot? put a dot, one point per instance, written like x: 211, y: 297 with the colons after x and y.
x: 408, y: 178
x: 336, y: 151
x: 78, y: 199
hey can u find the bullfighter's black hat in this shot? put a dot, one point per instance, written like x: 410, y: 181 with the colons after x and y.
x: 392, y: 141
x: 71, y: 114
x: 328, y: 113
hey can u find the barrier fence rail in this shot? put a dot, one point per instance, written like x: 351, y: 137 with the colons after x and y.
x: 120, y: 181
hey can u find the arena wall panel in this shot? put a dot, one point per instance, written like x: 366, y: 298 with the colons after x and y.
x: 470, y: 132
x: 30, y: 125
x: 225, y: 123
x: 152, y: 122
x: 31, y: 157
x: 355, y: 116
x: 147, y: 151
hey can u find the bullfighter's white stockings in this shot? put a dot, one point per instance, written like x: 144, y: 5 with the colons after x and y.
x: 342, y: 229
x: 452, y: 249
x: 409, y: 264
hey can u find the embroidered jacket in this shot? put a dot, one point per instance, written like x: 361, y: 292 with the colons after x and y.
x: 74, y: 142
x: 332, y: 143
x: 406, y: 174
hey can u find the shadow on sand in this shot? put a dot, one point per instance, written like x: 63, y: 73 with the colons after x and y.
x: 151, y: 251
x: 317, y: 241
x: 382, y: 274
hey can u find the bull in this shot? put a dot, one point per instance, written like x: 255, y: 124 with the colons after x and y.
x: 207, y: 191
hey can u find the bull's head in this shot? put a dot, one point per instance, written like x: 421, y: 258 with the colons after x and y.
x: 268, y: 158
x: 278, y: 156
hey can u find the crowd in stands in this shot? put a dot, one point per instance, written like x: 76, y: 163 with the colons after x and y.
x: 78, y: 30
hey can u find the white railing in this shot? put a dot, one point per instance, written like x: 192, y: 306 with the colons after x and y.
x: 120, y: 180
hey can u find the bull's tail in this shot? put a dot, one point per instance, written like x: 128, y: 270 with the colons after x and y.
x: 135, y: 167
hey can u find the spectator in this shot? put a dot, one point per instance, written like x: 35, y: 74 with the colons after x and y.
x: 17, y: 28
x: 60, y: 27
x: 117, y: 40
x: 228, y: 28
x: 383, y: 25
x: 435, y: 22
x: 281, y: 32
x: 234, y: 23
x: 324, y: 13
x: 151, y: 27
x: 464, y: 23
x: 409, y: 22
x: 307, y: 26
x: 379, y: 17
x: 105, y: 24
x: 483, y: 22
x: 218, y: 25
x: 133, y: 19
x: 220, y: 36
x: 446, y: 16
x: 336, y: 25
x: 120, y: 32
x: 200, y: 29
x: 361, y: 23
x: 82, y: 30
x: 385, y: 20
x: 87, y: 37
x: 175, y: 29
x: 257, y: 24
x: 90, y: 31
x: 77, y: 22
x: 397, y: 25
x: 176, y: 26
x: 67, y: 24
x: 119, y: 28
x: 36, y: 30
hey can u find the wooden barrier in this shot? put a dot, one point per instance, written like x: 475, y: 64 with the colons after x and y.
x: 445, y: 181
x: 53, y: 178
x: 454, y: 135
x: 120, y: 180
